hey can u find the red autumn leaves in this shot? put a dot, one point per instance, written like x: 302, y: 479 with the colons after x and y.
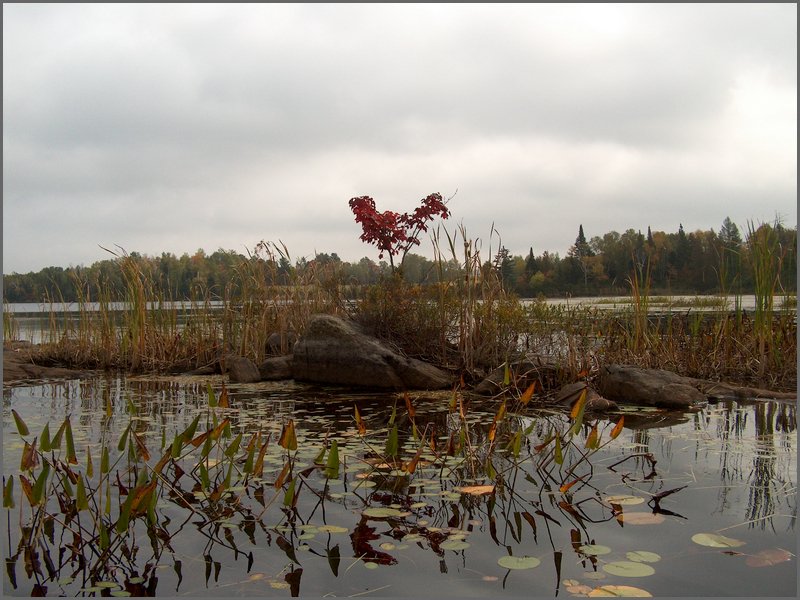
x: 395, y: 233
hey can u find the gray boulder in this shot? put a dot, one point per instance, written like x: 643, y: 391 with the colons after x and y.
x: 276, y: 369
x: 279, y: 343
x: 569, y: 394
x: 649, y: 387
x: 336, y: 351
x: 242, y: 370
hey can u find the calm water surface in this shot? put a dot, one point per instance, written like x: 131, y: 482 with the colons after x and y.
x: 730, y: 470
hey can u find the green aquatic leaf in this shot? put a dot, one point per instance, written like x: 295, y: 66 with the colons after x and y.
x: 391, y: 442
x: 22, y: 428
x: 8, y: 493
x: 332, y: 466
x: 39, y: 485
x: 626, y: 568
x: 82, y: 503
x: 44, y: 443
x: 594, y: 549
x: 454, y: 545
x: 643, y: 556
x: 381, y: 512
x: 518, y: 562
x: 333, y: 529
x: 715, y: 540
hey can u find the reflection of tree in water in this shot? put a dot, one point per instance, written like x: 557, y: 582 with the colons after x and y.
x: 770, y: 481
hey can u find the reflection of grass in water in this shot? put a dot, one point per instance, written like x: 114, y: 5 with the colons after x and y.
x: 669, y: 301
x: 211, y: 466
x: 229, y: 498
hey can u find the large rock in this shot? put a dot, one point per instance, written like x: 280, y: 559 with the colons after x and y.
x: 242, y: 370
x: 277, y: 368
x: 569, y: 394
x: 649, y: 387
x: 335, y: 351
x: 279, y: 343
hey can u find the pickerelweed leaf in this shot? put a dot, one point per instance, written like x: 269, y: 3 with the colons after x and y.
x: 22, y: 428
x: 627, y: 568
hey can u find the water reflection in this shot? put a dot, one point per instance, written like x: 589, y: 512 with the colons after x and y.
x: 729, y: 468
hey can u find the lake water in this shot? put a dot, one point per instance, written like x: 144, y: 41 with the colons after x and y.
x: 701, y: 503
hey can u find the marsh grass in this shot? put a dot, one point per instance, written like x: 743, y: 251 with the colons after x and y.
x: 461, y: 319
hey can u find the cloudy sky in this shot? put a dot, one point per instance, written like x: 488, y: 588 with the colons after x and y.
x: 168, y: 128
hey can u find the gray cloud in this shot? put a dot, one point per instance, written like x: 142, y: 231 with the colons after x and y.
x: 173, y: 127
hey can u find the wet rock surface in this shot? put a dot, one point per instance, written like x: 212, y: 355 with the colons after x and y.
x: 336, y: 351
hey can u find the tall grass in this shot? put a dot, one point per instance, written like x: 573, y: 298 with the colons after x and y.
x: 462, y: 318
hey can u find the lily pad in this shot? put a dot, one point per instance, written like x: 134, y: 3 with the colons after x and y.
x: 332, y: 529
x: 518, y: 562
x: 714, y: 540
x: 769, y: 557
x: 382, y: 512
x: 594, y: 549
x: 370, y: 565
x: 640, y: 518
x: 454, y: 545
x: 619, y: 591
x: 475, y: 490
x: 626, y: 568
x: 624, y: 500
x: 643, y: 556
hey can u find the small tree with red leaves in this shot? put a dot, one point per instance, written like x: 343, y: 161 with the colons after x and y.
x: 392, y: 232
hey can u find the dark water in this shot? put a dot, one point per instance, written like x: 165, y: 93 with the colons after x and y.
x: 728, y: 469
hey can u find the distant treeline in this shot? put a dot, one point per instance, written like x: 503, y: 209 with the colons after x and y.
x: 698, y: 262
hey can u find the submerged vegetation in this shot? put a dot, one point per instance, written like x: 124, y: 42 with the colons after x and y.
x: 131, y: 494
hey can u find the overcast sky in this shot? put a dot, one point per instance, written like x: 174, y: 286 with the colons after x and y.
x: 168, y: 128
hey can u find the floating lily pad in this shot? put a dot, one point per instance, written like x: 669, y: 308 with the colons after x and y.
x: 767, y: 558
x: 475, y: 490
x: 518, y: 562
x: 624, y: 500
x: 107, y: 584
x: 643, y: 556
x: 370, y: 565
x: 454, y: 545
x: 579, y: 589
x: 332, y: 529
x: 594, y: 549
x: 714, y: 540
x: 640, y: 518
x: 381, y: 512
x: 626, y: 568
x: 619, y: 591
